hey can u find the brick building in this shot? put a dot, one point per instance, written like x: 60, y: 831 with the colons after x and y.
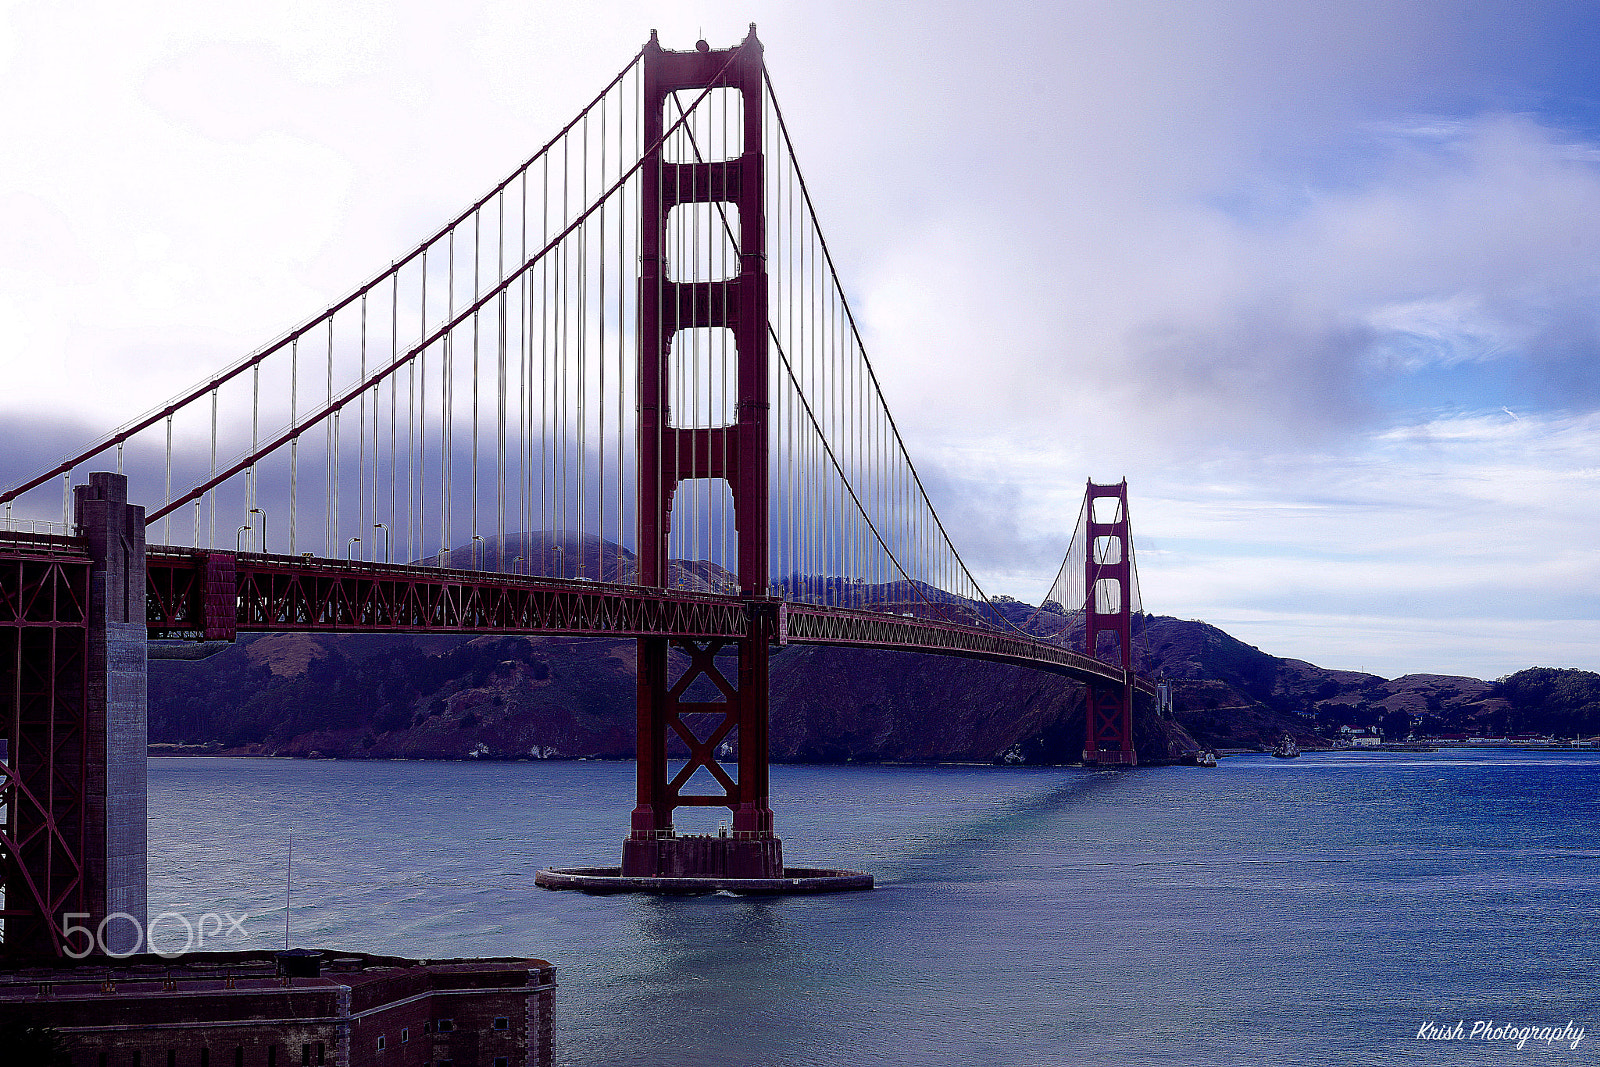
x: 263, y: 1009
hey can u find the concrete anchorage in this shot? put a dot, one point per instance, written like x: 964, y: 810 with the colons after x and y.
x: 117, y: 789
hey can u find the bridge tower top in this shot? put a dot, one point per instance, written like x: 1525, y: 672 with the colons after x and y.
x: 671, y: 452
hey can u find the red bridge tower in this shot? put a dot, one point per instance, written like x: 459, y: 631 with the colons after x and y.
x: 1108, y: 613
x: 670, y: 454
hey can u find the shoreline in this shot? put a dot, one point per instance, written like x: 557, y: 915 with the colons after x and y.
x: 175, y: 751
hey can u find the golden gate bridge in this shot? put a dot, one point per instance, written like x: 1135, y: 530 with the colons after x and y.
x: 637, y: 345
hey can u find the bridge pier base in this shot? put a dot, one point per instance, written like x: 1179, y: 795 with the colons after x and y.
x: 681, y: 708
x: 703, y: 856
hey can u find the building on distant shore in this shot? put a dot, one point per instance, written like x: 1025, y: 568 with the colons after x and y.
x: 288, y: 1009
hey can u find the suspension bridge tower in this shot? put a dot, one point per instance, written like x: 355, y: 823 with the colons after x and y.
x: 1108, y: 624
x: 671, y: 453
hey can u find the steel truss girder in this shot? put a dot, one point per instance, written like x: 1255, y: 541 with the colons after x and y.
x: 845, y: 626
x: 44, y: 600
x: 285, y: 593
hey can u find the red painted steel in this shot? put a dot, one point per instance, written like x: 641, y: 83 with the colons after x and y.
x: 44, y: 601
x: 221, y: 597
x: 809, y: 625
x: 273, y: 594
x: 669, y: 455
x: 285, y: 593
x: 1108, y: 709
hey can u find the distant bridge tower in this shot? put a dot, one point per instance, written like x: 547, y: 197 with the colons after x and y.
x: 1108, y: 624
x: 671, y: 453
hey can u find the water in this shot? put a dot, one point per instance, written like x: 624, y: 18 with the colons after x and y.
x: 1312, y: 911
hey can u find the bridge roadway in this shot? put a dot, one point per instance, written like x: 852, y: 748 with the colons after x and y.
x: 192, y: 592
x: 208, y: 595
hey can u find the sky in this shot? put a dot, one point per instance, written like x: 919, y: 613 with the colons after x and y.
x: 1321, y: 280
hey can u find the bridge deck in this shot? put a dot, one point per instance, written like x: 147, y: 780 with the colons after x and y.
x: 192, y: 592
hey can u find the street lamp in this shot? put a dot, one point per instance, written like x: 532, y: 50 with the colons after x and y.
x: 349, y: 545
x: 238, y: 538
x: 385, y: 528
x: 263, y: 514
x: 476, y: 538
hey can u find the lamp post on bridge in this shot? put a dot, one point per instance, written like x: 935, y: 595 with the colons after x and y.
x: 238, y: 538
x: 263, y: 514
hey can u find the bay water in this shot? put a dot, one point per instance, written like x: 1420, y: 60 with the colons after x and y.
x: 1316, y: 911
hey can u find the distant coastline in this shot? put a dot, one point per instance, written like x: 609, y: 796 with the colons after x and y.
x: 505, y: 698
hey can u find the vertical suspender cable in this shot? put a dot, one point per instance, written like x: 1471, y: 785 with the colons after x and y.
x: 211, y: 542
x: 600, y: 362
x: 411, y: 452
x: 331, y: 512
x: 361, y: 433
x: 620, y: 228
x: 447, y: 408
x: 294, y: 446
x: 166, y: 523
x: 500, y: 396
x: 524, y: 320
x: 728, y: 423
x: 477, y: 261
x: 583, y: 320
x: 255, y: 428
x: 394, y: 407
x: 422, y: 415
x: 545, y: 293
x: 791, y: 487
x: 653, y: 215
x: 500, y: 403
x: 563, y: 326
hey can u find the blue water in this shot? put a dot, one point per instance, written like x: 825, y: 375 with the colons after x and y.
x: 1311, y: 911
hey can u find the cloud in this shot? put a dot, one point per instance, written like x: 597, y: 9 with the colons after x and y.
x: 1281, y: 263
x: 1219, y: 330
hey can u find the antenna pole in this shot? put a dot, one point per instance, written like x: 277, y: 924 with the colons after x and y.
x: 288, y: 880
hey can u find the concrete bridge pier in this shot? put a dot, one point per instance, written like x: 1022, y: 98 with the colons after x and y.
x: 116, y: 795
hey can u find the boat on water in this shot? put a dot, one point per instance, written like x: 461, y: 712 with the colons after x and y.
x: 1205, y: 758
x: 1286, y: 749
